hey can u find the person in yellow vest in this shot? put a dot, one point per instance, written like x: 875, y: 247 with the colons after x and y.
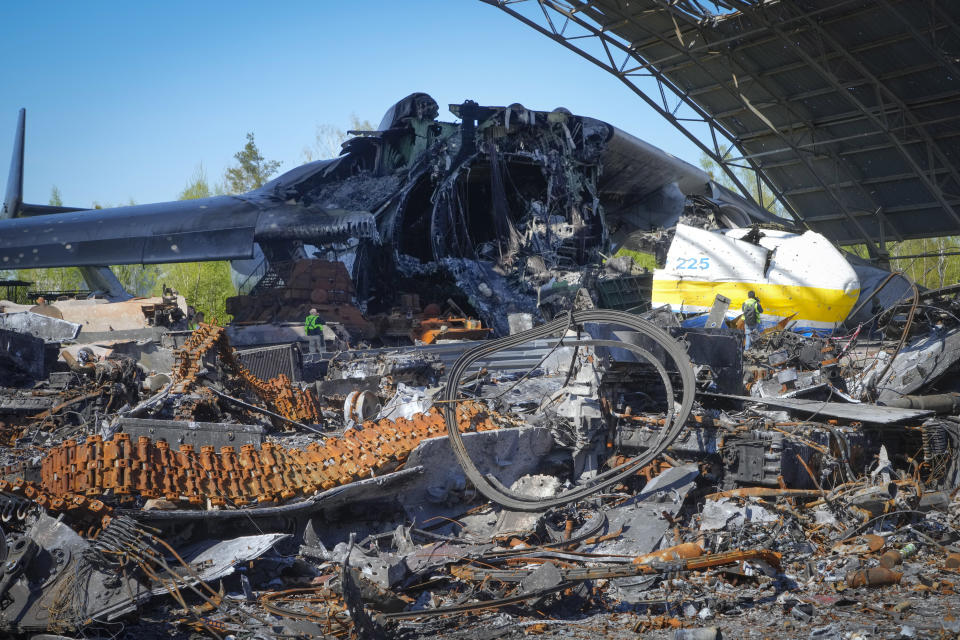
x: 313, y: 327
x: 751, y: 318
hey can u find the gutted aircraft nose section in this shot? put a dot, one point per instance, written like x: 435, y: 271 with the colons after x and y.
x: 779, y: 267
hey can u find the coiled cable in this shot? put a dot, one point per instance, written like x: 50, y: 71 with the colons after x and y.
x: 490, y: 487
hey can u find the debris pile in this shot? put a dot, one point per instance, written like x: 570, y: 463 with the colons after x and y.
x: 530, y: 412
x: 278, y: 394
x: 585, y: 476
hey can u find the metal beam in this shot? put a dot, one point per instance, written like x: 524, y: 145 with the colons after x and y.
x: 849, y: 117
x: 662, y: 108
x: 901, y: 177
x: 793, y: 66
x: 828, y: 75
x: 846, y: 152
x: 813, y: 93
x: 874, y: 250
x: 747, y: 34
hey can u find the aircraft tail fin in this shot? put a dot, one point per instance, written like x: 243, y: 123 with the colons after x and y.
x: 13, y: 204
x: 14, y: 195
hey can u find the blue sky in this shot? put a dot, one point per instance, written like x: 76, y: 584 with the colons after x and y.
x: 125, y: 99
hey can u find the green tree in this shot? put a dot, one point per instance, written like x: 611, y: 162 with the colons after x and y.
x: 934, y: 270
x: 327, y: 139
x: 197, y: 186
x: 138, y: 279
x: 252, y: 169
x: 131, y: 202
x: 53, y: 279
x: 205, y: 285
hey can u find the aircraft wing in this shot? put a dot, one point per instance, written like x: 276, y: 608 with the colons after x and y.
x: 218, y: 228
x: 638, y: 180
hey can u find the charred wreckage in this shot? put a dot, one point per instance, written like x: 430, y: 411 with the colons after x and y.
x: 513, y: 426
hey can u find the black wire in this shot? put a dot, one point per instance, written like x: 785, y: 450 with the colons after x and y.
x: 675, y: 421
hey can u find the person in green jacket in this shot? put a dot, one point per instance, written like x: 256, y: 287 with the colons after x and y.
x: 751, y: 318
x: 313, y: 327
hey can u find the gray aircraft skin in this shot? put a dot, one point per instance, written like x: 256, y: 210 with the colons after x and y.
x: 216, y: 228
x: 395, y: 191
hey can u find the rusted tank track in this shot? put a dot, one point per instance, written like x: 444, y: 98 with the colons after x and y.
x: 87, y: 514
x: 83, y: 473
x: 279, y: 394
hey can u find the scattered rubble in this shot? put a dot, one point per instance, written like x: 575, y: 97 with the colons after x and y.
x: 508, y: 432
x: 614, y: 479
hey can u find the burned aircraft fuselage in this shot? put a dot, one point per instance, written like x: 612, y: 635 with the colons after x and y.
x: 507, y: 192
x: 490, y: 212
x: 500, y: 207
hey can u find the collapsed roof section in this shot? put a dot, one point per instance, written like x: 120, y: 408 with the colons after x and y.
x: 847, y: 107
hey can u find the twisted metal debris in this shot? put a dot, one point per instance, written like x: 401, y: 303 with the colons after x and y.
x: 277, y: 393
x: 74, y: 474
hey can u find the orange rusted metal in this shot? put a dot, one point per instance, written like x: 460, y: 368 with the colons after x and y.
x: 683, y: 551
x: 764, y: 492
x: 279, y: 394
x: 873, y: 577
x: 153, y: 469
x: 730, y: 557
x: 429, y: 330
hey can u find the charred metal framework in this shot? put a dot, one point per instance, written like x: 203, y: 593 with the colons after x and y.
x: 847, y: 110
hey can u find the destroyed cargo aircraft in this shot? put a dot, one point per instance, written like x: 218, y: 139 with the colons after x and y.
x: 500, y: 213
x: 600, y: 470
